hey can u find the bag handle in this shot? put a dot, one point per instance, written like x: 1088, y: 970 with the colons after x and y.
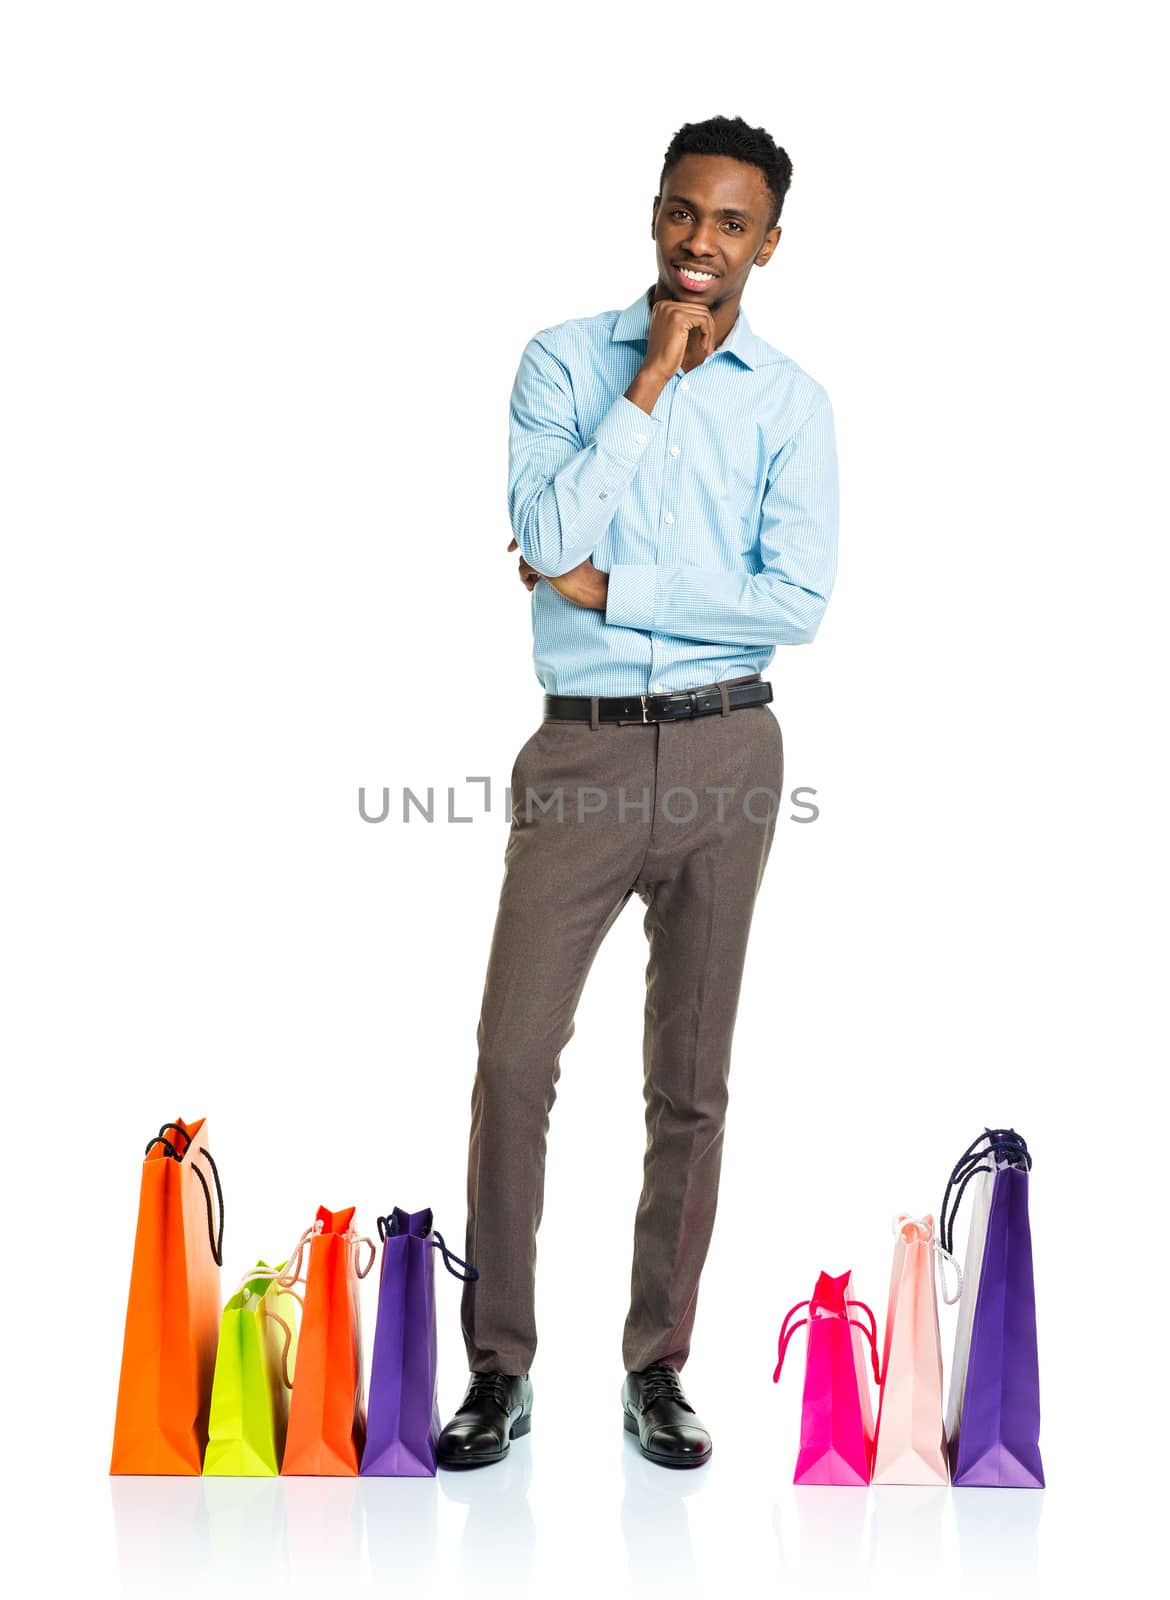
x: 390, y: 1228
x: 284, y: 1354
x: 215, y: 1241
x: 356, y: 1240
x: 796, y: 1307
x: 870, y: 1333
x: 869, y: 1313
x: 439, y: 1243
x: 996, y: 1141
x: 171, y: 1153
x: 285, y: 1278
x: 927, y: 1236
x: 786, y: 1333
x: 214, y: 1236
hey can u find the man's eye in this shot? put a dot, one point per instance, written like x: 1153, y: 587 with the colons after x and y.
x: 738, y: 225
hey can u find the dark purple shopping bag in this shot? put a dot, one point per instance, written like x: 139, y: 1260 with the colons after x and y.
x: 402, y: 1426
x: 995, y: 1441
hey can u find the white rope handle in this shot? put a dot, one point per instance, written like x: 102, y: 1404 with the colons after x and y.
x: 291, y: 1273
x: 288, y: 1338
x: 356, y: 1240
x: 926, y: 1236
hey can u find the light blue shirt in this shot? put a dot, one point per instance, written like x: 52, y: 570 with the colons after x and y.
x: 715, y: 516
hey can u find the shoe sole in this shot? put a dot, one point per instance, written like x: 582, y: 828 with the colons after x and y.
x: 631, y: 1426
x: 465, y: 1464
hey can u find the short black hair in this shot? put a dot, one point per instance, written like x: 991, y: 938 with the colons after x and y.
x: 731, y: 136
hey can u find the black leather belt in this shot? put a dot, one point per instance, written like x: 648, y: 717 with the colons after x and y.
x: 671, y: 706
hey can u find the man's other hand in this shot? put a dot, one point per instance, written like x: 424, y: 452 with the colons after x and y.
x: 584, y: 585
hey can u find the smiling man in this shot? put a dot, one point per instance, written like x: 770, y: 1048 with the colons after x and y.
x: 672, y: 489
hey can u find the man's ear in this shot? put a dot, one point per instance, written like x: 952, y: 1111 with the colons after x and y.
x: 771, y: 240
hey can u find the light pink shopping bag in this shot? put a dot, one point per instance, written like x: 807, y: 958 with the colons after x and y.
x: 911, y: 1444
x: 836, y: 1420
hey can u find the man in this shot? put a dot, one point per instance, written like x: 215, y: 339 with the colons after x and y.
x: 673, y: 493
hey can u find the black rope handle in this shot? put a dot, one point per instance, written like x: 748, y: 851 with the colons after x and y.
x: 440, y: 1243
x: 214, y: 1240
x: 215, y: 1243
x: 995, y: 1141
x: 947, y: 1228
x: 178, y: 1128
x: 388, y: 1228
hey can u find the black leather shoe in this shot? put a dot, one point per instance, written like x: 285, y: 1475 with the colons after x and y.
x: 496, y: 1409
x: 655, y: 1408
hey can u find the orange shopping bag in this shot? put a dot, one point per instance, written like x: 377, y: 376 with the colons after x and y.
x: 327, y: 1411
x: 172, y: 1315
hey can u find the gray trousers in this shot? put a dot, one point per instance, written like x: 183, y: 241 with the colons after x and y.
x: 601, y: 811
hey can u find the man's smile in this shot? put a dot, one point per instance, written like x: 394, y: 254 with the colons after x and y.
x: 695, y: 279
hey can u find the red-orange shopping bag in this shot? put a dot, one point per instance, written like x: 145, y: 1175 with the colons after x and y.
x: 327, y: 1412
x: 172, y: 1314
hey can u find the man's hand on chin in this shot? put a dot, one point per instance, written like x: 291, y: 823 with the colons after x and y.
x: 583, y: 585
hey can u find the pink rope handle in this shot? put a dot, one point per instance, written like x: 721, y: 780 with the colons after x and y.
x: 785, y: 1338
x: 869, y: 1314
x: 786, y: 1333
x: 799, y: 1304
x: 877, y: 1377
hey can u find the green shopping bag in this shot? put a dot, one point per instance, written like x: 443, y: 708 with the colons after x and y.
x: 253, y: 1376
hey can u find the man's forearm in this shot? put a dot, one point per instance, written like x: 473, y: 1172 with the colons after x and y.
x: 646, y: 388
x: 563, y: 491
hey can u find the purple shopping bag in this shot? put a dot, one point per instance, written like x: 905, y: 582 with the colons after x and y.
x: 402, y: 1425
x: 995, y: 1427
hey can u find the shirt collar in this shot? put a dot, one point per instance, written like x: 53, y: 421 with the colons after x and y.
x: 634, y: 323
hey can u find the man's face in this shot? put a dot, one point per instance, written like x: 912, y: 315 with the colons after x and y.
x: 712, y: 215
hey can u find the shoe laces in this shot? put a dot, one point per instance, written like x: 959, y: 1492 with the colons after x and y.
x: 487, y: 1386
x: 661, y: 1382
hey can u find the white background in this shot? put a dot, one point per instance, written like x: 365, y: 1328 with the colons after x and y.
x: 269, y: 270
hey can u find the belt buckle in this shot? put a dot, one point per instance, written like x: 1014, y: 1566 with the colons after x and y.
x: 645, y: 713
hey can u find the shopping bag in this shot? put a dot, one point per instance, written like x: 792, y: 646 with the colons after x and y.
x: 836, y: 1420
x: 253, y: 1376
x: 910, y: 1444
x: 979, y: 1180
x: 327, y: 1411
x: 995, y: 1442
x: 403, y: 1413
x: 172, y: 1311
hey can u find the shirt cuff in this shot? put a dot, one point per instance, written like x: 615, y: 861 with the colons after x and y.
x: 630, y: 595
x: 625, y: 429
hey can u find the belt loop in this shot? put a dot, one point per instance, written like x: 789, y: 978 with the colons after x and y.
x: 594, y: 714
x: 726, y: 704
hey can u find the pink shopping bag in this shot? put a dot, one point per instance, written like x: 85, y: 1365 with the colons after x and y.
x: 836, y: 1420
x: 911, y: 1444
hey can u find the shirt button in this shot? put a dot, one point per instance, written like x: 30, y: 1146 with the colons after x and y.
x: 604, y: 495
x: 639, y: 438
x: 669, y: 517
x: 674, y: 449
x: 683, y: 384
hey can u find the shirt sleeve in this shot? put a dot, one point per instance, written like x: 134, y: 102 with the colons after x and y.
x: 783, y: 603
x: 563, y: 492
